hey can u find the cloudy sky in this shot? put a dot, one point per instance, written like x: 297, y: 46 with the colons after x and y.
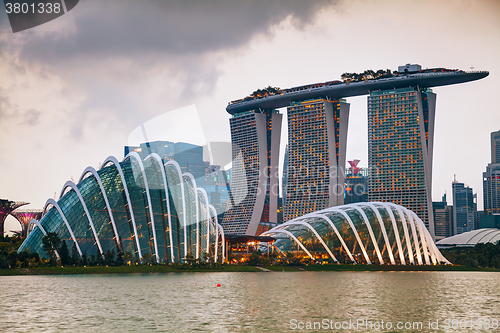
x: 73, y: 90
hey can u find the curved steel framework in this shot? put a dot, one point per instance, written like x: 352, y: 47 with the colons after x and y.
x: 125, y: 198
x: 360, y: 232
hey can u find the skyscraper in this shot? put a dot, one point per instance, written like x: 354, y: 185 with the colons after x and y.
x: 495, y: 147
x: 255, y: 138
x: 491, y: 178
x: 443, y: 218
x: 400, y: 145
x: 464, y: 208
x: 317, y: 135
x: 356, y: 183
x: 189, y: 156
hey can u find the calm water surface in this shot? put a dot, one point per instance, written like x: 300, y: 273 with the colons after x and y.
x: 252, y: 302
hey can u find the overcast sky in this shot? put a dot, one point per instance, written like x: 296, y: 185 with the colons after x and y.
x: 74, y: 89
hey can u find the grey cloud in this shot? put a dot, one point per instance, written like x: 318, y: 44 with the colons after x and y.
x: 171, y: 27
x: 148, y: 34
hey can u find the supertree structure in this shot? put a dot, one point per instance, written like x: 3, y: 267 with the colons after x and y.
x: 6, y: 208
x: 25, y: 216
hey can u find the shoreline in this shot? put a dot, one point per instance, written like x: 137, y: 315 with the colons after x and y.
x: 146, y: 269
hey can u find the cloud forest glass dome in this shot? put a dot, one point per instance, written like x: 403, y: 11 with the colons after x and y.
x: 375, y: 232
x: 472, y: 238
x: 137, y: 206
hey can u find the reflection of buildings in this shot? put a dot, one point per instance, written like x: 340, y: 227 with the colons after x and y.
x: 464, y: 208
x: 317, y: 135
x: 356, y: 183
x: 189, y: 156
x: 491, y: 178
x: 211, y: 178
x: 400, y: 143
x: 255, y: 137
x: 443, y: 218
x: 216, y: 184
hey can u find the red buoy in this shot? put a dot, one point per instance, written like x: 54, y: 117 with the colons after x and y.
x: 218, y: 284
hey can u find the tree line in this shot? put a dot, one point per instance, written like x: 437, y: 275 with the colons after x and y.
x: 481, y: 255
x: 367, y: 75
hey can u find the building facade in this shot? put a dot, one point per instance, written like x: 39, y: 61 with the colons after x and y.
x: 400, y: 146
x: 317, y: 136
x: 464, y: 208
x: 356, y: 183
x: 491, y: 178
x: 443, y: 218
x: 495, y: 147
x: 188, y: 156
x: 255, y: 138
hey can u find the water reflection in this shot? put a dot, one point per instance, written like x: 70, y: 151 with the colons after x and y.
x: 250, y: 302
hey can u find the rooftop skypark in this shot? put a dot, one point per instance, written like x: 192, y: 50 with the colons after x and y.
x: 354, y: 84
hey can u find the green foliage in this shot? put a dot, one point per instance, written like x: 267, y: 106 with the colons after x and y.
x: 366, y: 75
x: 64, y: 254
x: 109, y: 258
x: 74, y: 255
x: 147, y: 258
x: 189, y: 258
x: 481, y: 255
x: 266, y: 91
x: 50, y: 244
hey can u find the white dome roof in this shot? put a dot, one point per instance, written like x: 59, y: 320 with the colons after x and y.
x: 487, y: 235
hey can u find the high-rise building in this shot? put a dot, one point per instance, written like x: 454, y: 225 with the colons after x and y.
x: 491, y: 178
x: 356, y: 183
x: 317, y: 124
x: 400, y: 145
x: 317, y: 135
x: 495, y: 147
x: 189, y: 156
x: 255, y: 138
x: 491, y: 189
x: 464, y: 208
x: 443, y: 218
x: 216, y: 184
x: 284, y: 180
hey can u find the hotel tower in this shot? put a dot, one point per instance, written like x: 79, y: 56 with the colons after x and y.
x: 317, y: 136
x: 253, y: 205
x: 400, y: 144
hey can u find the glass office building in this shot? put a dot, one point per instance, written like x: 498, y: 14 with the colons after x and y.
x: 141, y: 206
x: 368, y: 232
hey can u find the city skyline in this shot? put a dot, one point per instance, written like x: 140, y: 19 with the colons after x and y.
x: 59, y: 118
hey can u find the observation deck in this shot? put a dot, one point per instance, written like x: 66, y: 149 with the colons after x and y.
x: 338, y: 89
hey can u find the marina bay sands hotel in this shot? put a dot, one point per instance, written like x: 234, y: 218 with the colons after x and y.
x: 401, y: 112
